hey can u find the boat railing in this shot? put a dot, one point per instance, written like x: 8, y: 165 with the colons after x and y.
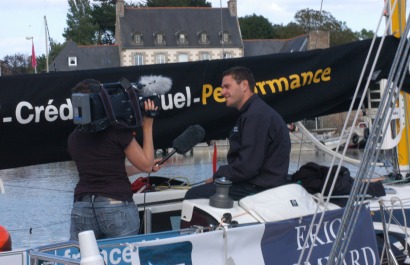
x: 39, y: 254
x: 42, y: 255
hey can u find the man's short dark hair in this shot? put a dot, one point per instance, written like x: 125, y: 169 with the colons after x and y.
x: 240, y: 73
x: 86, y: 86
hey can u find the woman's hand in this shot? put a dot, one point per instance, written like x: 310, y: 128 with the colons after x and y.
x: 157, y: 167
x: 149, y: 105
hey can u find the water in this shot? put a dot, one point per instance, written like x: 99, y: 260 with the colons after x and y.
x: 35, y: 207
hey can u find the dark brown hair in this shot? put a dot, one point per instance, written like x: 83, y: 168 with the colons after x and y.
x: 240, y: 73
x: 86, y: 86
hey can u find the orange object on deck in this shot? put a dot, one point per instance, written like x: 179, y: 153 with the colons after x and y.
x: 5, y: 239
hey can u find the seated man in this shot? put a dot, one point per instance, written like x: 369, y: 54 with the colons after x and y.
x: 258, y: 158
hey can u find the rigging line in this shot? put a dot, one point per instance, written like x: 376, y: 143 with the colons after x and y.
x: 1, y: 185
x: 321, y: 23
x: 325, y: 149
x: 38, y: 227
x: 222, y: 30
x: 36, y: 188
x: 341, y: 136
x: 300, y: 152
x: 352, y: 210
x: 390, y: 96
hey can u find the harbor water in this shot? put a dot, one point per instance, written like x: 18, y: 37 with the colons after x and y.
x: 36, y: 203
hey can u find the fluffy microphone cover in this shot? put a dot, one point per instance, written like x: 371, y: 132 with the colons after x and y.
x: 188, y: 139
x: 153, y: 85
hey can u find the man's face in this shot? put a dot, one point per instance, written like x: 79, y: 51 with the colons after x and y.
x: 233, y: 92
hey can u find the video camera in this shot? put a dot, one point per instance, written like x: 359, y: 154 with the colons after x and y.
x: 116, y: 103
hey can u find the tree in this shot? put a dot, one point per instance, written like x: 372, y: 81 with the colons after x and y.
x: 311, y: 20
x: 291, y: 30
x: 364, y: 34
x: 256, y: 27
x: 80, y: 24
x: 159, y: 3
x: 18, y: 64
x: 104, y: 17
x: 55, y: 49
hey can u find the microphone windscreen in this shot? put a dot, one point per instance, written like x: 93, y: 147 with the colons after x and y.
x: 188, y: 139
x: 153, y: 85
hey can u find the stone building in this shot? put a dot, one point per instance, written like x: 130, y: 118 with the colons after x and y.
x: 181, y: 34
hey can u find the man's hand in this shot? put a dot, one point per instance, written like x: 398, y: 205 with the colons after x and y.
x: 210, y: 180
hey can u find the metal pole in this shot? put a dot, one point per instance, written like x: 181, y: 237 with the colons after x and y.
x: 46, y: 34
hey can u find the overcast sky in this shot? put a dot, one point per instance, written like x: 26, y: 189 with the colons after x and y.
x: 25, y: 18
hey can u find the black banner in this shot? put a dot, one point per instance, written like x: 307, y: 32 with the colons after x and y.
x: 36, y: 110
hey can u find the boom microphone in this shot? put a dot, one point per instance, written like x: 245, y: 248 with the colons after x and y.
x: 153, y: 85
x: 186, y: 141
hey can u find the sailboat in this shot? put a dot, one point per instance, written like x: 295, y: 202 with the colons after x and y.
x: 312, y: 230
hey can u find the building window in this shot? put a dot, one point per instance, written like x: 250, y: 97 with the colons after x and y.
x: 227, y: 55
x: 182, y: 38
x: 225, y: 37
x: 137, y: 38
x: 159, y: 39
x: 160, y: 58
x: 183, y: 57
x: 205, y: 56
x: 203, y: 38
x: 139, y: 59
x: 72, y: 61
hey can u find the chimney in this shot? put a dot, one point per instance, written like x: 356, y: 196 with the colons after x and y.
x: 119, y: 8
x: 119, y: 13
x: 232, y: 5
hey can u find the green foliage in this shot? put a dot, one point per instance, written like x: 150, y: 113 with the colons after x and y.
x: 256, y: 27
x: 104, y: 17
x: 364, y: 34
x: 80, y: 24
x: 41, y: 63
x: 310, y: 20
x: 55, y: 49
x: 306, y: 20
x: 291, y: 30
x: 159, y: 3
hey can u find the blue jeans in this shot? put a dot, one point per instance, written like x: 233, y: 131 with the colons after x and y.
x: 106, y: 219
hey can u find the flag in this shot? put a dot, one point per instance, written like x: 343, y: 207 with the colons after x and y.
x: 33, y: 57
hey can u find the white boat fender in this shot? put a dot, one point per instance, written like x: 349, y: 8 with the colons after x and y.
x: 90, y: 254
x: 280, y: 203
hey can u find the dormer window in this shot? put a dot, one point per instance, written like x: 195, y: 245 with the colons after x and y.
x: 182, y: 38
x: 203, y: 38
x: 137, y: 38
x: 72, y: 61
x: 159, y: 38
x: 225, y: 37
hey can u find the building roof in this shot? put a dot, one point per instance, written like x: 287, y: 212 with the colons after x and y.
x: 88, y: 57
x: 257, y: 47
x: 171, y: 20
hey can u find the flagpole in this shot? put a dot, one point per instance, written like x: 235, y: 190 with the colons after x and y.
x: 46, y: 34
